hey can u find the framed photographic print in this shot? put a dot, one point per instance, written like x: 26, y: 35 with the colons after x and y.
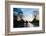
x: 24, y: 18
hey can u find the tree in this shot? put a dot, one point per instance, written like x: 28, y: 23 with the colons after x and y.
x: 35, y: 22
x: 19, y: 23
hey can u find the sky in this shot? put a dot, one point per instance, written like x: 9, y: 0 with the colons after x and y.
x: 27, y: 12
